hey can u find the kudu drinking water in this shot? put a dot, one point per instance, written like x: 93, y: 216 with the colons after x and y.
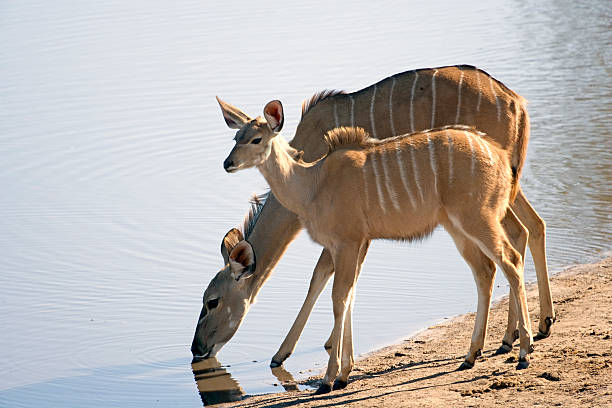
x: 399, y: 188
x: 413, y: 100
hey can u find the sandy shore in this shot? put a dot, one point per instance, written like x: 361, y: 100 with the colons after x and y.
x: 573, y: 367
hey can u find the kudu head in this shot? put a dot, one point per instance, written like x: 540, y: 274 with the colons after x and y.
x: 254, y: 136
x: 227, y: 298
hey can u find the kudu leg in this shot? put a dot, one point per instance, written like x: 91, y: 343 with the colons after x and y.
x: 537, y: 245
x: 492, y: 240
x: 517, y: 235
x: 483, y: 270
x: 346, y: 259
x: 320, y: 276
x: 348, y: 359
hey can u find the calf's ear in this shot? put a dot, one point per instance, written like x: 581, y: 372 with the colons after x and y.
x: 273, y: 112
x: 234, y: 117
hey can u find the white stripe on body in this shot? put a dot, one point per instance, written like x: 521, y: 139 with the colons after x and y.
x: 416, y: 77
x: 432, y: 162
x: 459, y: 98
x: 485, y: 144
x: 433, y: 98
x: 467, y: 135
x: 450, y: 157
x: 479, y: 91
x: 336, y: 114
x: 364, y: 174
x: 497, y: 104
x: 381, y: 198
x: 372, y: 113
x: 389, y: 182
x: 400, y: 163
x: 391, y: 106
x: 352, y: 111
x: 478, y: 140
x: 484, y: 248
x: 517, y: 120
x: 415, y: 171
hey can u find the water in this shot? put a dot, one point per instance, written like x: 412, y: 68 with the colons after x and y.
x: 114, y: 200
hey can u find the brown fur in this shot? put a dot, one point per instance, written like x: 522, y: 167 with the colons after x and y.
x: 257, y: 202
x: 513, y: 138
x: 347, y: 137
x: 318, y: 97
x: 276, y: 226
x: 361, y: 192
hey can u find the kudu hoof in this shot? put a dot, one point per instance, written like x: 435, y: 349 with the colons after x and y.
x: 339, y: 385
x: 544, y: 334
x: 466, y: 365
x: 323, y: 389
x: 278, y: 361
x: 503, y: 349
x: 523, y: 363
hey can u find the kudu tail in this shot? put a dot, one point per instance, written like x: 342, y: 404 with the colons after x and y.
x: 520, y: 147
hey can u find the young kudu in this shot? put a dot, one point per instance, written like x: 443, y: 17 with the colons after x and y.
x: 406, y: 102
x: 399, y: 188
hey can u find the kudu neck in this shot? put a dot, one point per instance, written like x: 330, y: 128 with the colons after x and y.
x: 275, y: 229
x: 292, y: 182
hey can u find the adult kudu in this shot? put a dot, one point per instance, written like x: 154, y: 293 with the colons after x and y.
x: 406, y: 102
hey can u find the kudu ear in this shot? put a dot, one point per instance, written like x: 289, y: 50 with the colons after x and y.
x: 273, y: 112
x: 242, y: 261
x: 234, y: 117
x: 229, y: 241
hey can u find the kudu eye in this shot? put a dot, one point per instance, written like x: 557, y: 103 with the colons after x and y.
x: 256, y: 140
x: 211, y: 304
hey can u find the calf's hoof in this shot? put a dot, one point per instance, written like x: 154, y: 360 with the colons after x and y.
x: 544, y: 334
x: 323, y: 389
x: 503, y: 349
x: 339, y: 384
x: 523, y: 363
x: 466, y: 365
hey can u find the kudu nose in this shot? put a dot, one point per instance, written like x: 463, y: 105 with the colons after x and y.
x: 197, y: 349
x: 228, y: 163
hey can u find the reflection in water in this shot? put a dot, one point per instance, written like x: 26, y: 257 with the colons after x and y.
x: 215, y: 384
x: 285, y: 378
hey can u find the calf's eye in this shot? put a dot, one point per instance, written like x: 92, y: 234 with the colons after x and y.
x: 256, y: 140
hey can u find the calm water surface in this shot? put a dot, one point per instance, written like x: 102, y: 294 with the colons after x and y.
x: 114, y: 200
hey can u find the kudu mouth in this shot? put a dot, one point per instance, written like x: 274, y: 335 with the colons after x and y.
x: 199, y: 348
x: 197, y: 358
x: 200, y: 353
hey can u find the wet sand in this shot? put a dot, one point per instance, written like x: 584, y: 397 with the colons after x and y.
x: 572, y: 367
